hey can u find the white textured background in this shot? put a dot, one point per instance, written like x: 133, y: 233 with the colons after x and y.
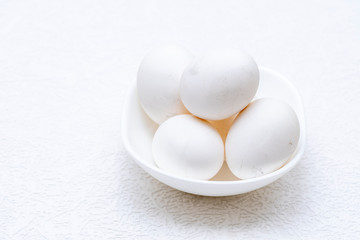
x: 64, y: 68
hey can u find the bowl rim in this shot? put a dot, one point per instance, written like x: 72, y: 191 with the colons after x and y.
x: 290, y: 163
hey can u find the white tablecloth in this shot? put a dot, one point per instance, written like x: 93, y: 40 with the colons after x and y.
x: 64, y: 69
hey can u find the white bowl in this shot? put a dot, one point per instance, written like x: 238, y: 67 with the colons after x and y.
x: 138, y: 131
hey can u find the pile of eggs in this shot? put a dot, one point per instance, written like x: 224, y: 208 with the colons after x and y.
x: 192, y: 98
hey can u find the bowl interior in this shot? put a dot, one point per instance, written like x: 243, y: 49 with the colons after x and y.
x: 138, y: 131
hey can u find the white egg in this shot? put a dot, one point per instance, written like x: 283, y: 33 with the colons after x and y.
x: 219, y: 84
x: 188, y: 147
x: 262, y: 138
x: 158, y: 82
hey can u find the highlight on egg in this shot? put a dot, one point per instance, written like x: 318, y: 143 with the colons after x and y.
x: 262, y: 138
x: 189, y: 147
x: 158, y: 81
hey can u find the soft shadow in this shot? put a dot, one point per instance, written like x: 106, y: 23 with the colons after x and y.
x: 162, y: 204
x: 242, y: 211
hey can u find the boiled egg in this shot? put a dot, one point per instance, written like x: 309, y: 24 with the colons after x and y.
x: 262, y: 138
x: 188, y: 147
x: 219, y: 84
x: 158, y: 81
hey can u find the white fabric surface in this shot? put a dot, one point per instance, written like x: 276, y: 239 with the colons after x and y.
x: 64, y: 68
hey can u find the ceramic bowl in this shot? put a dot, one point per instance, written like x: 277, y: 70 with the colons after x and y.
x: 138, y: 131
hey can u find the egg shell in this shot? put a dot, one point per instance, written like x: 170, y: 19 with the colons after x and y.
x: 219, y: 84
x: 158, y: 82
x: 188, y: 147
x: 262, y: 138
